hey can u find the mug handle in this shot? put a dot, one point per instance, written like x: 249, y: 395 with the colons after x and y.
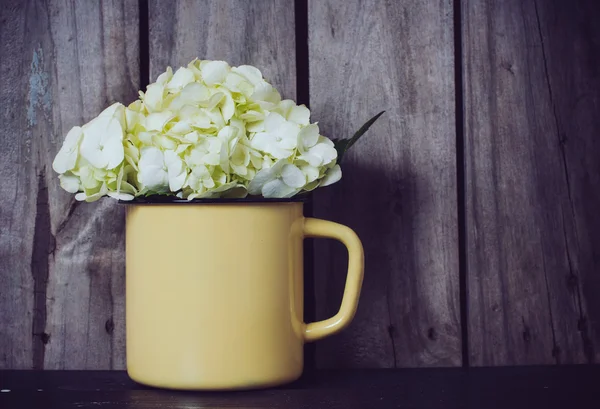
x: 326, y: 229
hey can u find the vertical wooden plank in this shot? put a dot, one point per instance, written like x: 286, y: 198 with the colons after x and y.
x: 571, y: 42
x: 256, y: 32
x: 398, y: 190
x: 62, y: 267
x: 96, y: 53
x: 23, y: 86
x: 533, y: 173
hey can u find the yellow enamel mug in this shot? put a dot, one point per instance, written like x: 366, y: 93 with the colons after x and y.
x: 214, y: 292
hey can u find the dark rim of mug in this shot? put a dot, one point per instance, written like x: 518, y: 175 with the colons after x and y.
x: 163, y: 199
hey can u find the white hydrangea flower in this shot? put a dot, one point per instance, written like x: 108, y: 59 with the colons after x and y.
x: 205, y: 130
x: 160, y: 172
x: 332, y: 175
x: 69, y: 182
x: 91, y: 160
x: 100, y: 142
x: 280, y: 137
x: 282, y: 180
x: 298, y: 114
x: 66, y: 159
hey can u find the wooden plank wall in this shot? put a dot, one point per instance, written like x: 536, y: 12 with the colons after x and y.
x: 61, y: 265
x: 532, y: 160
x: 476, y: 194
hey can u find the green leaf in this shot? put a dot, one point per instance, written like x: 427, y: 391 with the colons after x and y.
x: 342, y: 145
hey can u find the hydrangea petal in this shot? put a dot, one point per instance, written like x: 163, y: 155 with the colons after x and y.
x: 121, y: 196
x: 181, y: 128
x: 241, y: 155
x: 157, y: 121
x: 311, y: 186
x: 333, y: 175
x: 224, y: 158
x: 308, y: 136
x: 236, y: 192
x: 299, y: 114
x: 175, y: 170
x: 289, y: 137
x: 238, y: 83
x: 252, y: 116
x: 151, y: 156
x: 285, y: 106
x: 263, y: 177
x: 216, y: 118
x: 195, y: 92
x: 66, y: 158
x: 262, y: 141
x: 181, y: 78
x: 267, y: 95
x: 213, y: 159
x: 153, y: 99
x: 228, y: 107
x: 214, y: 72
x: 240, y: 170
x: 114, y: 152
x: 165, y: 76
x: 326, y: 141
x: 312, y: 160
x: 215, y: 100
x: 278, y: 189
x: 86, y: 177
x: 92, y: 197
x: 274, y: 122
x: 152, y: 172
x: 128, y: 188
x: 69, y: 183
x: 256, y: 159
x: 113, y: 111
x: 102, y: 141
x: 249, y: 72
x: 182, y: 148
x: 192, y: 137
x: 193, y: 66
x: 324, y: 151
x: 258, y: 126
x: 163, y: 141
x: 133, y: 118
x: 311, y: 173
x: 292, y: 176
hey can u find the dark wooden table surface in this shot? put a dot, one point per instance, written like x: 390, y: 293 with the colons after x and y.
x: 568, y: 387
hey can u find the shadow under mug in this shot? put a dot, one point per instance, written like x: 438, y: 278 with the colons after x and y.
x: 214, y: 292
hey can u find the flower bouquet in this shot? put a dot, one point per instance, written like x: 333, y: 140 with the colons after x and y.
x: 208, y: 130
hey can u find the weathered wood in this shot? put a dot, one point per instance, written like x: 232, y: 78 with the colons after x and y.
x: 399, y: 186
x: 62, y: 266
x: 532, y: 178
x: 86, y: 289
x: 259, y: 33
x: 18, y: 189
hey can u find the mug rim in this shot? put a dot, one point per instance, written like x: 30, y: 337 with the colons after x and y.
x: 163, y: 199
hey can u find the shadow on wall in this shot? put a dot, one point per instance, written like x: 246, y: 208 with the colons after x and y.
x: 382, y: 206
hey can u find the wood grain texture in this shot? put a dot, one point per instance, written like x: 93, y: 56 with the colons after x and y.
x: 17, y: 193
x: 531, y: 96
x: 62, y: 265
x: 256, y: 32
x: 398, y: 191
